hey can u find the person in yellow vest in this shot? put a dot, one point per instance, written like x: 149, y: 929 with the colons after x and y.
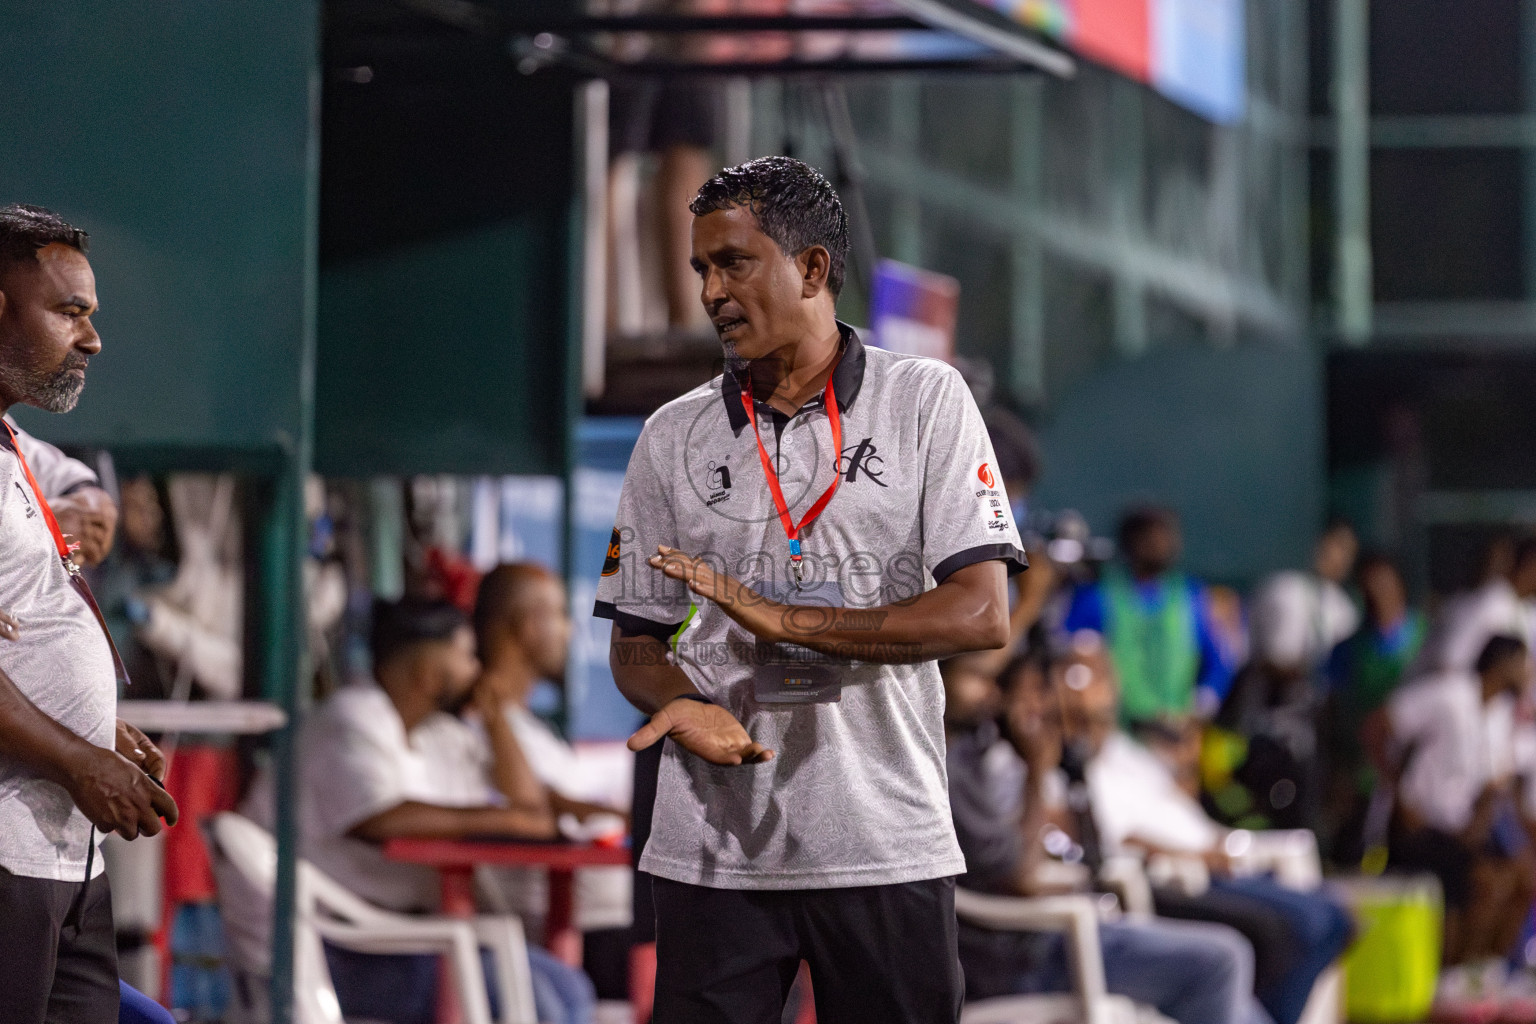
x: 1167, y: 648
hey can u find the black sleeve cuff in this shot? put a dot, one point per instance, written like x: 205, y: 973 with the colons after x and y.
x: 1009, y: 555
x: 80, y: 486
x: 634, y: 624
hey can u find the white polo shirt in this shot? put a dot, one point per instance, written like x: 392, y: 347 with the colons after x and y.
x: 355, y: 760
x: 1456, y: 745
x: 1467, y: 622
x: 857, y: 794
x: 63, y: 664
x: 1135, y: 796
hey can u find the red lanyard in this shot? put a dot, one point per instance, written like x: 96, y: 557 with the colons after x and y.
x: 65, y: 548
x: 791, y: 528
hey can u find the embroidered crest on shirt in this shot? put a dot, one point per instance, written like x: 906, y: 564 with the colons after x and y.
x: 862, y: 461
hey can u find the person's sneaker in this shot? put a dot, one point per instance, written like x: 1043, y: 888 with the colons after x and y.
x: 1468, y: 994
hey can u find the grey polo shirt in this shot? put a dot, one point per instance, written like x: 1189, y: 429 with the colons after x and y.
x: 857, y: 794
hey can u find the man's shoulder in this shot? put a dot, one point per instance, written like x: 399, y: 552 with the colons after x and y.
x: 683, y: 411
x: 444, y: 733
x: 906, y: 371
x: 1286, y: 581
x: 360, y: 707
x: 1445, y: 692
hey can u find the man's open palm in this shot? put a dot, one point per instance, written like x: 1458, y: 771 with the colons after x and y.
x: 706, y: 730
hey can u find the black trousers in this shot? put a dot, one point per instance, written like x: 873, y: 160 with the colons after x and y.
x: 58, y: 953
x: 883, y: 954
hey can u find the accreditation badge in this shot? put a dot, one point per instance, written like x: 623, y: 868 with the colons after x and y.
x: 788, y: 674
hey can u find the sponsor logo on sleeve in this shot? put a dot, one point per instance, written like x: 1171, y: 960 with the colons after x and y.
x: 611, y: 563
x: 984, y: 474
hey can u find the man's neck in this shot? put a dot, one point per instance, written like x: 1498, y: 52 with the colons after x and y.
x: 413, y: 706
x: 793, y: 374
x: 511, y: 675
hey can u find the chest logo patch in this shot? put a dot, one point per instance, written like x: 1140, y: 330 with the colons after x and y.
x: 717, y: 481
x: 862, y: 459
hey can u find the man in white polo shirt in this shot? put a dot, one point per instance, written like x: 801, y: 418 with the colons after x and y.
x: 836, y: 515
x: 68, y: 771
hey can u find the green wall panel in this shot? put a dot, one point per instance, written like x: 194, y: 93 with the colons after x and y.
x: 444, y: 325
x: 177, y: 135
x: 1231, y: 439
x: 446, y: 355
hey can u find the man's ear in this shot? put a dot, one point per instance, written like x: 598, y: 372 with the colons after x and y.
x: 815, y: 264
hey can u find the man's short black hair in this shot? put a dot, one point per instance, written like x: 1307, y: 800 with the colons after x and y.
x: 25, y: 229
x: 400, y: 625
x: 1141, y: 519
x: 1497, y: 650
x: 795, y: 205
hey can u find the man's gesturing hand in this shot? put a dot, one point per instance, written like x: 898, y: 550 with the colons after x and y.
x: 756, y: 614
x: 118, y: 796
x: 706, y: 730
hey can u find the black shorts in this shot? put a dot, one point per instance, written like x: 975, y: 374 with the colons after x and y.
x: 881, y: 953
x: 58, y: 951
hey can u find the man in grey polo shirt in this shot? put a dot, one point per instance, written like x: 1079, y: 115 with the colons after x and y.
x: 834, y: 513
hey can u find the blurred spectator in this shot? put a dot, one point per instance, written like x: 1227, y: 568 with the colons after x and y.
x: 138, y: 565
x: 1299, y: 616
x: 197, y: 621
x: 1003, y: 748
x: 1499, y: 607
x: 1364, y: 671
x: 1449, y: 743
x: 393, y: 760
x: 1137, y: 804
x: 1366, y: 668
x: 1297, y: 619
x: 679, y: 121
x: 523, y: 622
x: 1157, y: 622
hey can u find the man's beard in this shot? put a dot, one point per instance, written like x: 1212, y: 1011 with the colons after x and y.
x: 58, y: 391
x: 734, y: 364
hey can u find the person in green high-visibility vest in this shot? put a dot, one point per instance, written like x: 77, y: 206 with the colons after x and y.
x: 1157, y: 622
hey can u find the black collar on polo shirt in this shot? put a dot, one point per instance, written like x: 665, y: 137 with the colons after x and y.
x: 847, y: 378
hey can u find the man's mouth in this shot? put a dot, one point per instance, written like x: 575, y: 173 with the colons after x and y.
x: 726, y: 325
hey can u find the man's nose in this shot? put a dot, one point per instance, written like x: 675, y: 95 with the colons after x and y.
x: 712, y: 292
x: 90, y: 344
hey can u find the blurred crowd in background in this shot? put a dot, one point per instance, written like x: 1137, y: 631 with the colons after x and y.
x: 1138, y: 713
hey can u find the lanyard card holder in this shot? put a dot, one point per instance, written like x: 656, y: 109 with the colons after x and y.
x: 788, y: 674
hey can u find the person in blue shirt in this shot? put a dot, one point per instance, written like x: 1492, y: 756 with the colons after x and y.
x: 1158, y: 623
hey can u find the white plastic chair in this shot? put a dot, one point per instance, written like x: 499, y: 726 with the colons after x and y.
x: 1076, y: 918
x: 244, y: 857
